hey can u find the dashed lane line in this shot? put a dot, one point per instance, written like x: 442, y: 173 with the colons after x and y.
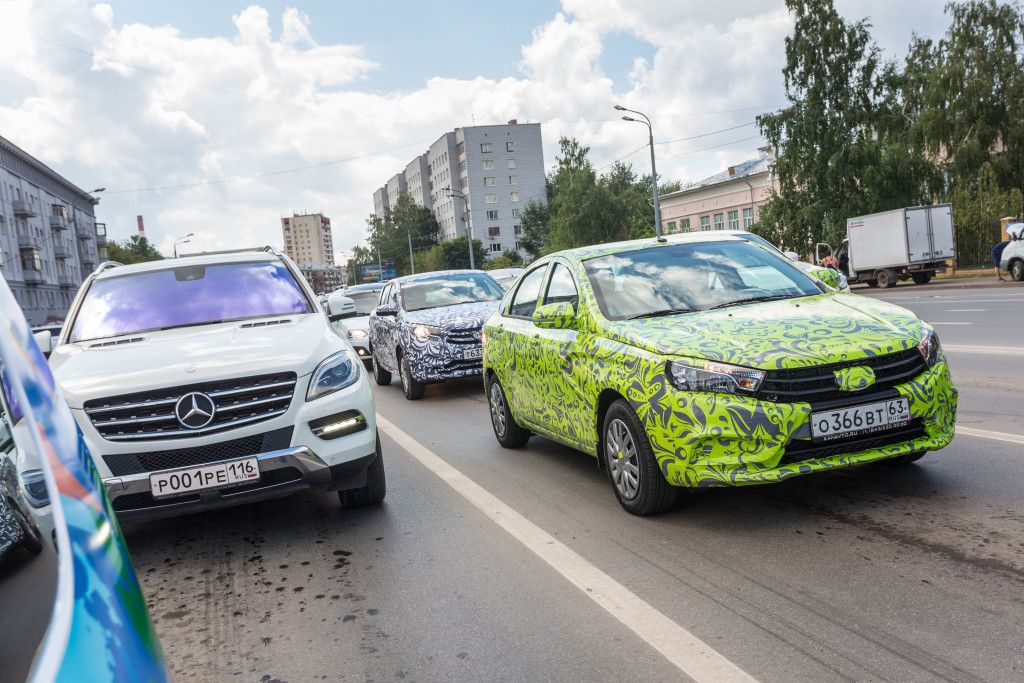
x: 986, y: 434
x: 990, y: 350
x: 685, y: 651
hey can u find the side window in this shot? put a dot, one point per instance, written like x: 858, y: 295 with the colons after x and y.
x: 393, y: 296
x: 561, y: 287
x: 384, y: 293
x: 525, y: 300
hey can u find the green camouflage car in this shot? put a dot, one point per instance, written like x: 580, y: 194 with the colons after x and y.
x: 706, y: 360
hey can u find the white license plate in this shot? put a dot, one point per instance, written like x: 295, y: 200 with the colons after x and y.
x: 471, y: 354
x: 873, y: 417
x: 186, y: 480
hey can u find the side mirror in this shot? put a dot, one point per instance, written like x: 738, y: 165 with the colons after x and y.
x: 386, y: 310
x: 827, y: 276
x: 44, y: 339
x: 791, y: 255
x: 560, y: 316
x: 340, y: 306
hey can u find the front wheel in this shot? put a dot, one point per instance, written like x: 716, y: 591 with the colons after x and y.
x: 412, y: 389
x: 381, y: 376
x: 1017, y: 270
x: 507, y: 431
x: 632, y: 468
x: 375, y: 489
x: 885, y: 278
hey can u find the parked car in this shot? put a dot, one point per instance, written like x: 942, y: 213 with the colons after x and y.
x: 427, y: 327
x: 233, y: 389
x: 72, y: 608
x: 1013, y: 255
x: 357, y: 327
x: 506, y: 276
x: 709, y: 361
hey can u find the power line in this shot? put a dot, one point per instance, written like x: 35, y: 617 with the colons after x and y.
x: 708, y: 134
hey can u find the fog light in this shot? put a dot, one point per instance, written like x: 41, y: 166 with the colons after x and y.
x: 338, y: 425
x: 361, y: 351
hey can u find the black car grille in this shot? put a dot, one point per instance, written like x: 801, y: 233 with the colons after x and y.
x: 121, y: 464
x: 800, y: 450
x: 141, y: 501
x: 817, y: 383
x: 463, y: 335
x: 150, y: 415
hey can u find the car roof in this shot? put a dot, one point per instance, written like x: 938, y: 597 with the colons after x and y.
x: 595, y: 250
x: 406, y: 279
x: 197, y: 260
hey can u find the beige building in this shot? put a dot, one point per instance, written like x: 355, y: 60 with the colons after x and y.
x: 307, y: 238
x: 729, y: 200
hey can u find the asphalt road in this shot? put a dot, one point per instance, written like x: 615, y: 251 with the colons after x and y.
x: 520, y: 565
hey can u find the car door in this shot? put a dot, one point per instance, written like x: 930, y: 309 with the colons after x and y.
x: 519, y: 335
x: 561, y: 372
x: 381, y: 332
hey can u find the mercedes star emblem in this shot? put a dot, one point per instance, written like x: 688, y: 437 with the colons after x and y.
x: 195, y: 410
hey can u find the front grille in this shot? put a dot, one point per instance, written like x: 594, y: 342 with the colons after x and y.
x: 463, y: 335
x: 141, y: 501
x: 817, y: 383
x: 153, y: 461
x: 150, y: 415
x: 800, y: 450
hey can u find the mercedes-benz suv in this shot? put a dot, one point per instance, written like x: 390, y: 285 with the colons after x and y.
x: 212, y: 380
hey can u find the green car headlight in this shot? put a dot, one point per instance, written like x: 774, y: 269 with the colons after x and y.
x: 930, y: 348
x: 720, y: 378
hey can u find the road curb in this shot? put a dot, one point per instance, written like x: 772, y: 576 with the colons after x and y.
x: 942, y: 286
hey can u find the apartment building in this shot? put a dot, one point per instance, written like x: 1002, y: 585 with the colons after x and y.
x: 499, y: 169
x: 49, y: 238
x: 308, y: 239
x: 728, y: 200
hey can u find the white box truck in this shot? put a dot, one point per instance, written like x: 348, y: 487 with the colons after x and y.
x: 903, y: 244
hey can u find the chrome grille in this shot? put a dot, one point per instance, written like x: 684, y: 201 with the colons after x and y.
x: 150, y: 415
x: 463, y: 335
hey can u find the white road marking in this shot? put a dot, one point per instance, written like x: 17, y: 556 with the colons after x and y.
x: 687, y: 652
x: 991, y: 350
x: 986, y: 434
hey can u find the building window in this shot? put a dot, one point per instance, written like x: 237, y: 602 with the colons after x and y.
x: 488, y: 164
x: 485, y: 147
x: 513, y: 196
x: 684, y: 225
x: 460, y: 148
x: 489, y: 181
x: 671, y: 227
x: 511, y: 163
x: 516, y: 213
x: 492, y: 215
x: 518, y: 230
x: 495, y: 247
x: 734, y: 220
x: 513, y: 180
x: 494, y: 232
x: 748, y: 218
x: 510, y: 146
x: 491, y: 198
x: 719, y: 221
x: 30, y: 260
x: 705, y: 222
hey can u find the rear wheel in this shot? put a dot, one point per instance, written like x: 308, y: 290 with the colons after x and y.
x: 885, y: 278
x: 872, y: 283
x: 374, y: 490
x: 904, y: 459
x: 507, y: 431
x: 1017, y: 270
x: 412, y: 389
x: 632, y: 468
x: 381, y: 376
x: 922, y: 278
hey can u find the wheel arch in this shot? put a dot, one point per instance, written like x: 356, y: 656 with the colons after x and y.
x: 604, y: 401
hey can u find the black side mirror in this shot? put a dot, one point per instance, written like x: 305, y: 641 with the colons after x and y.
x: 386, y: 310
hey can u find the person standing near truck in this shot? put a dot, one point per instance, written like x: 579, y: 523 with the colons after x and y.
x: 997, y: 255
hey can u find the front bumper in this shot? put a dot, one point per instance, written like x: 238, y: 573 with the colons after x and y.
x: 448, y: 362
x: 703, y: 439
x: 362, y: 348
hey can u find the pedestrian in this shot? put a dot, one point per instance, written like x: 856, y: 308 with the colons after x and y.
x: 997, y: 256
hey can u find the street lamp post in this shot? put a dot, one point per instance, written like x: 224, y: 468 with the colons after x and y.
x: 184, y: 239
x: 654, y: 170
x: 469, y: 223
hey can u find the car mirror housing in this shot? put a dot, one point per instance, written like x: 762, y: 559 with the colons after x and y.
x: 828, y: 277
x: 560, y: 316
x: 340, y: 306
x: 44, y: 339
x: 386, y: 310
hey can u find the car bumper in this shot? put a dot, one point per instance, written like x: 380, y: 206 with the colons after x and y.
x: 362, y: 348
x: 451, y: 363
x: 703, y: 440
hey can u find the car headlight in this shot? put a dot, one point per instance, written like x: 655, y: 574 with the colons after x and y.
x: 337, y: 372
x: 424, y: 332
x: 930, y: 348
x: 721, y: 378
x: 357, y: 334
x: 34, y: 483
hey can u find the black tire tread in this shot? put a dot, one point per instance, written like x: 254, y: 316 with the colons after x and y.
x: 375, y: 489
x: 515, y: 436
x: 416, y: 389
x: 656, y: 494
x: 381, y: 376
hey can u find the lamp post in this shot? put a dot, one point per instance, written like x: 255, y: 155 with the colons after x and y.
x: 654, y: 171
x: 469, y: 223
x: 184, y: 239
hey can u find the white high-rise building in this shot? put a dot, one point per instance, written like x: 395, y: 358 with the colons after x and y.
x: 307, y: 238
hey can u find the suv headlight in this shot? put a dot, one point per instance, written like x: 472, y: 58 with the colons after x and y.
x: 721, y: 378
x: 930, y: 348
x: 424, y: 332
x: 34, y: 483
x: 337, y: 372
x: 357, y: 334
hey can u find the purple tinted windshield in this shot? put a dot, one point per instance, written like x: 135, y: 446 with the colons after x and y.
x: 187, y: 295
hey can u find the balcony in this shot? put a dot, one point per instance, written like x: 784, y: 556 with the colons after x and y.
x: 22, y: 208
x: 26, y: 241
x: 84, y: 232
x: 61, y: 250
x: 32, y: 276
x: 65, y: 280
x: 58, y: 222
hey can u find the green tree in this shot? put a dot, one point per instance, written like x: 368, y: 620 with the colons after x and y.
x: 135, y: 249
x: 391, y: 233
x: 454, y: 253
x: 508, y: 259
x: 535, y: 226
x: 977, y: 210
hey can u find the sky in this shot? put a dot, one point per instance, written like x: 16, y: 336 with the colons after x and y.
x: 220, y: 117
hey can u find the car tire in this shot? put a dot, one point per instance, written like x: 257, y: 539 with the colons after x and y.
x: 872, y: 283
x: 412, y: 389
x: 506, y: 429
x: 904, y: 459
x: 374, y: 491
x: 632, y: 468
x: 885, y: 278
x: 1017, y: 270
x: 921, y: 278
x: 381, y: 376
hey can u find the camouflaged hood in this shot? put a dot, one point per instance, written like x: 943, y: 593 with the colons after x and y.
x: 460, y: 315
x: 814, y: 330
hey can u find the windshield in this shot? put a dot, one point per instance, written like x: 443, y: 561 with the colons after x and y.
x: 449, y: 290
x: 187, y: 295
x: 365, y: 301
x: 679, y: 278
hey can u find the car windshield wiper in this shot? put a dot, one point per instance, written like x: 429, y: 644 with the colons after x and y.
x: 658, y: 314
x: 197, y: 324
x: 750, y: 300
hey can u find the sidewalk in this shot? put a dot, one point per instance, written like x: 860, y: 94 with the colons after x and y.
x: 944, y: 283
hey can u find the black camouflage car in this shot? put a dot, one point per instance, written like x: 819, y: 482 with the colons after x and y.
x: 427, y: 327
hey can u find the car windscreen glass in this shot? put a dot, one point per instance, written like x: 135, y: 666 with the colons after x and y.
x: 679, y: 278
x: 186, y: 296
x: 365, y: 301
x: 449, y: 290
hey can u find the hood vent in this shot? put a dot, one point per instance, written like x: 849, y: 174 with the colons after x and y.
x: 117, y: 342
x: 267, y: 323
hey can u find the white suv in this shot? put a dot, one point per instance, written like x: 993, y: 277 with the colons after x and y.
x: 213, y: 380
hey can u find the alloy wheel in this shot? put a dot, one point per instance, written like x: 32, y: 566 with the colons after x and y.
x: 623, y: 464
x: 497, y: 403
